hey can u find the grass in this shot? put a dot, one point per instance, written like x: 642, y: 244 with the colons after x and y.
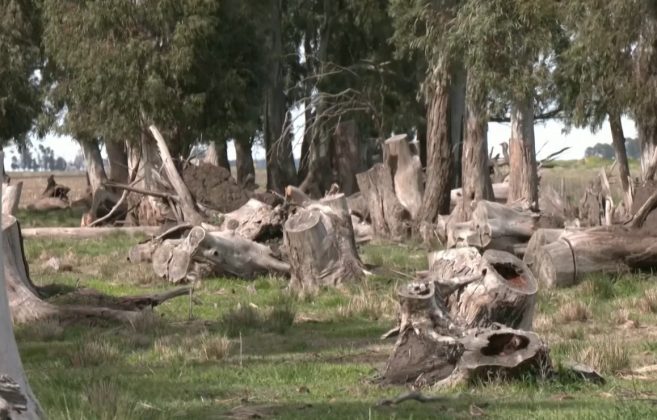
x: 252, y: 349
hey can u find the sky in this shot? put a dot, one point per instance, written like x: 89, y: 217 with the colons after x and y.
x: 550, y: 137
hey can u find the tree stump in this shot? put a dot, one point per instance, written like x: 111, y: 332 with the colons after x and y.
x: 321, y: 247
x: 614, y: 249
x: 496, y: 288
x: 11, y: 197
x: 389, y: 218
x: 406, y: 170
x: 434, y: 350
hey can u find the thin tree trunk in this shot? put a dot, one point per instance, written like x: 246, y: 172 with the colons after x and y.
x: 457, y: 101
x: 422, y: 142
x: 347, y: 156
x: 305, y: 144
x: 118, y: 160
x: 618, y: 140
x: 94, y: 162
x: 244, y: 160
x: 477, y: 184
x: 523, y: 174
x: 280, y: 162
x: 439, y: 157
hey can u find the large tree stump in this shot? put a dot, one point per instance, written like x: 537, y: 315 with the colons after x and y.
x: 574, y: 255
x: 496, y: 288
x: 433, y: 349
x: 321, y: 247
x: 406, y: 171
x: 389, y: 218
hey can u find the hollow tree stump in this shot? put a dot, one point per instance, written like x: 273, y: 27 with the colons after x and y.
x: 574, y: 255
x: 433, y: 349
x: 496, y: 288
x: 321, y: 247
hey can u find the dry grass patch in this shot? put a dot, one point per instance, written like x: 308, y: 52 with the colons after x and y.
x: 93, y: 353
x: 46, y: 330
x: 214, y: 347
x: 108, y: 401
x: 543, y: 323
x: 368, y: 304
x: 606, y: 355
x: 574, y: 311
x: 648, y: 303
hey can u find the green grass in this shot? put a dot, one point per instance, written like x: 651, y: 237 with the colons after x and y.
x: 68, y: 217
x: 251, y: 349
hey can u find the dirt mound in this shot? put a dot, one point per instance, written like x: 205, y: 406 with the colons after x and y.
x: 214, y: 187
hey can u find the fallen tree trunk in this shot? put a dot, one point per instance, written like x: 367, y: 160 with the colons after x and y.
x: 321, y: 246
x: 433, y: 349
x: 500, y: 191
x: 11, y: 197
x: 89, y: 232
x: 574, y: 255
x: 255, y: 221
x: 202, y: 253
x: 496, y: 288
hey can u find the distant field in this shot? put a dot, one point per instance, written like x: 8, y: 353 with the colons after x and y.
x: 34, y: 183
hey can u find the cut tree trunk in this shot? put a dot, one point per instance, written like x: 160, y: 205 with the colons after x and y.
x: 245, y: 170
x: 347, y: 156
x: 500, y: 192
x: 574, y: 255
x: 321, y: 246
x: 539, y: 239
x: 434, y: 350
x: 389, y: 217
x: 118, y: 161
x: 406, y: 171
x: 523, y: 176
x: 476, y: 179
x: 484, y: 290
x: 439, y: 155
x: 255, y: 221
x: 88, y: 233
x: 11, y: 197
x: 203, y: 253
x: 618, y: 140
x: 17, y: 401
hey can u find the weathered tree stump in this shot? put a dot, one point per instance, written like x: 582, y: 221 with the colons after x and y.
x: 321, y: 247
x: 389, y: 218
x: 406, y: 170
x: 496, y: 288
x: 11, y: 197
x: 433, y: 349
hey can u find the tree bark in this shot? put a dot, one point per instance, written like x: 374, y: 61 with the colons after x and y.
x: 457, y: 116
x: 11, y: 197
x: 94, y: 163
x: 346, y: 155
x: 245, y: 168
x: 439, y: 157
x: 477, y: 183
x: 406, y: 171
x: 217, y: 154
x: 618, y: 140
x: 118, y: 161
x: 278, y: 145
x: 523, y: 184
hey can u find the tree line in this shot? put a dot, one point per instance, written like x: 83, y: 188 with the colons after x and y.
x: 209, y: 72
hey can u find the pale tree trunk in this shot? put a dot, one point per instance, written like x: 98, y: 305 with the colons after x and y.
x: 118, y: 160
x: 305, y: 144
x: 244, y: 161
x: 280, y: 162
x: 457, y: 112
x: 618, y: 140
x: 439, y: 157
x: 523, y: 174
x: 477, y: 184
x: 94, y: 164
x: 217, y: 154
x: 3, y: 174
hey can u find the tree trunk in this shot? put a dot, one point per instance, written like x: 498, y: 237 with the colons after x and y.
x: 304, y: 159
x: 11, y: 197
x: 618, y: 140
x: 439, y: 157
x: 457, y: 116
x: 217, y: 154
x: 540, y: 238
x: 17, y: 401
x: 3, y: 175
x: 321, y: 246
x: 278, y: 144
x: 615, y: 249
x: 422, y: 142
x: 500, y: 192
x: 389, y: 217
x: 406, y: 171
x: 523, y: 184
x: 347, y: 156
x: 245, y: 169
x: 118, y: 161
x: 433, y: 350
x: 477, y: 183
x: 94, y: 163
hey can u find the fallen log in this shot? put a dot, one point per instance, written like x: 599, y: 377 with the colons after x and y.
x: 500, y: 190
x: 55, y: 190
x: 434, y: 350
x: 321, y: 247
x: 480, y: 291
x: 539, y: 239
x: 255, y: 221
x: 202, y: 253
x: 48, y: 204
x: 574, y: 255
x: 89, y: 232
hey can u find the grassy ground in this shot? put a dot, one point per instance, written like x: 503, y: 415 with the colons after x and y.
x: 252, y: 351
